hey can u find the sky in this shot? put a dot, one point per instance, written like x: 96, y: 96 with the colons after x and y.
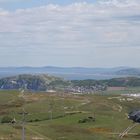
x: 70, y: 33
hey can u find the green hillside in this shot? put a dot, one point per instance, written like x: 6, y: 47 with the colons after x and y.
x: 67, y: 117
x: 115, y: 82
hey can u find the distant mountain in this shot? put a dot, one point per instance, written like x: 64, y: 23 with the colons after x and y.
x: 129, y: 71
x: 73, y: 73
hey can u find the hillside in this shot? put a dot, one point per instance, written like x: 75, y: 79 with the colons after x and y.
x: 115, y: 82
x: 69, y: 117
x: 41, y: 82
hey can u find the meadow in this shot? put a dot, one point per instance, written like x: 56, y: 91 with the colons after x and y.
x: 58, y: 116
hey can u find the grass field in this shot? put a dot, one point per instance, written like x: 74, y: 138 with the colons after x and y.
x: 56, y: 116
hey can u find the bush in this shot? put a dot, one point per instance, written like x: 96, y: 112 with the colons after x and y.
x: 36, y: 120
x: 6, y: 119
x: 88, y: 119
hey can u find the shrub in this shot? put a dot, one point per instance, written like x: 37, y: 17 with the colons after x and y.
x: 85, y: 120
x: 36, y: 120
x: 6, y: 119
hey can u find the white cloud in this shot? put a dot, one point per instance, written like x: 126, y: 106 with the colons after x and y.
x: 3, y: 12
x: 120, y: 3
x: 73, y: 30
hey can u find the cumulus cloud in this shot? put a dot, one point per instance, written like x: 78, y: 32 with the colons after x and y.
x: 66, y: 30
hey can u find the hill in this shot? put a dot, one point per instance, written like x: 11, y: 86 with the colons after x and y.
x: 115, y: 82
x: 129, y: 71
x: 41, y: 82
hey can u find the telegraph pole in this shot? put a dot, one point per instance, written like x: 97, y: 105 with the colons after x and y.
x: 23, y: 113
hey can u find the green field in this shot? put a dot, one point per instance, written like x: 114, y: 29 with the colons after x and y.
x: 56, y: 116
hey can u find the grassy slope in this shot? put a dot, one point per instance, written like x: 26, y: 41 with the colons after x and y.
x: 110, y: 115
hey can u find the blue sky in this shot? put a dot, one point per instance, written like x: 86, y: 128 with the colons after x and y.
x: 16, y: 4
x: 103, y: 33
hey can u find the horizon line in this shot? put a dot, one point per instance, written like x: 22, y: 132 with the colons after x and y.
x: 53, y: 66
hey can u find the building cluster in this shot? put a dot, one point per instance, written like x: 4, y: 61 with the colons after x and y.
x: 85, y: 89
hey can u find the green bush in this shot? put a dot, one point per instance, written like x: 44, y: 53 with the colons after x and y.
x: 88, y: 119
x: 6, y: 119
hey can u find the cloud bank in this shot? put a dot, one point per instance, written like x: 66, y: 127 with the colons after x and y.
x: 104, y: 33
